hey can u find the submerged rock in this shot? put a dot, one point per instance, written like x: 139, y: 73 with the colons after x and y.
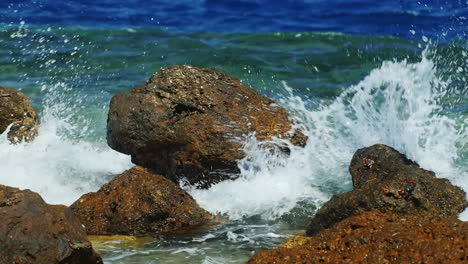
x: 32, y: 231
x: 16, y: 109
x: 138, y: 202
x: 374, y: 237
x: 189, y: 122
x: 387, y: 181
x: 120, y: 242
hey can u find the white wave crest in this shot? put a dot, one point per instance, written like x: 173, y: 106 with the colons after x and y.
x: 396, y: 104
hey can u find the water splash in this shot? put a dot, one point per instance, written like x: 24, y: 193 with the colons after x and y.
x: 271, y: 184
x: 396, y: 104
x: 58, y: 168
x: 62, y: 163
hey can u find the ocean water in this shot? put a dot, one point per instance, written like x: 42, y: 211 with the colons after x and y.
x: 355, y: 72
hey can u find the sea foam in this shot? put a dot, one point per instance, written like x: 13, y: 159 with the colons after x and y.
x: 396, y: 105
x: 58, y: 168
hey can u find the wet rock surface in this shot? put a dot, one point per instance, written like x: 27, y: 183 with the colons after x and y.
x: 138, y: 202
x: 16, y: 109
x: 385, y: 180
x: 189, y: 122
x: 35, y: 232
x: 374, y: 237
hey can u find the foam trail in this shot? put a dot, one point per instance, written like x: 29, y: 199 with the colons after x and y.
x: 395, y: 104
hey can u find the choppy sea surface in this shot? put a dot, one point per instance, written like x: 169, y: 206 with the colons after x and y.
x: 355, y: 72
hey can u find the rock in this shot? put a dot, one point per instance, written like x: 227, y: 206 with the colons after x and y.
x: 385, y: 180
x: 189, y: 122
x: 138, y: 202
x: 35, y: 232
x: 16, y: 109
x: 374, y: 237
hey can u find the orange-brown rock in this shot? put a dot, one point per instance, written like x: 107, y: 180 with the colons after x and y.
x: 33, y: 232
x: 16, y: 110
x: 138, y: 202
x: 374, y: 237
x: 387, y: 181
x: 189, y: 122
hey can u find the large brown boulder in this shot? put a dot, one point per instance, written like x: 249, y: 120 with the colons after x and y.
x: 32, y: 231
x: 189, y: 122
x: 16, y: 109
x: 374, y: 237
x: 387, y: 181
x: 138, y: 202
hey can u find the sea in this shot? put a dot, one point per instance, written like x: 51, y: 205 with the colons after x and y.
x: 356, y: 72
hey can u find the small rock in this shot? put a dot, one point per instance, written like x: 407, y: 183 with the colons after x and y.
x: 393, y: 183
x: 191, y: 123
x: 138, y: 202
x: 34, y: 232
x: 16, y: 109
x: 374, y: 237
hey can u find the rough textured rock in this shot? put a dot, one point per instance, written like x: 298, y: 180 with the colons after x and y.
x: 35, y: 232
x: 138, y: 202
x: 374, y: 237
x: 386, y: 180
x: 191, y: 122
x: 15, y: 108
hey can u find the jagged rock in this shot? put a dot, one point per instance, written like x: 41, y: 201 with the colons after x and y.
x: 385, y: 180
x: 16, y: 109
x: 374, y: 237
x: 32, y: 231
x: 189, y: 122
x: 138, y: 202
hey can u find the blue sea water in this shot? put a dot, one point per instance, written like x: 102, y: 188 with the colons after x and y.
x: 319, y: 59
x: 362, y: 17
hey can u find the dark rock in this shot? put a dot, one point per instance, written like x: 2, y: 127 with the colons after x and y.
x: 374, y: 237
x: 188, y: 122
x: 16, y: 109
x: 137, y: 202
x: 35, y: 232
x: 385, y: 180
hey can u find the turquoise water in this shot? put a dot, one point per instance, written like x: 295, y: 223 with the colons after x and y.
x: 352, y: 84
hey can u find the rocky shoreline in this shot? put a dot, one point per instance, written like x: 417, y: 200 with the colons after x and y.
x: 397, y: 213
x: 189, y: 124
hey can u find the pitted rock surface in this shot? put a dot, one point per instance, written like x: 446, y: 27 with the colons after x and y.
x: 16, y: 110
x: 33, y: 232
x: 374, y: 237
x: 387, y: 181
x: 189, y: 122
x: 138, y: 202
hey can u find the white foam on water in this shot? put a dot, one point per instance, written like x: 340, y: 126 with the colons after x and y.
x: 266, y: 183
x: 58, y: 168
x: 396, y: 105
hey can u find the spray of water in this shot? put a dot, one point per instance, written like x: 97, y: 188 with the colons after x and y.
x: 59, y: 168
x: 396, y: 104
x: 61, y: 163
